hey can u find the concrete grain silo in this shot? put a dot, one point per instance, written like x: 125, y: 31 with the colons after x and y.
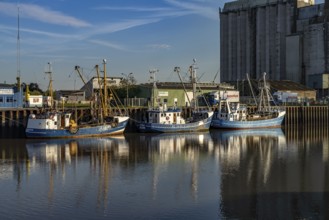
x: 253, y: 37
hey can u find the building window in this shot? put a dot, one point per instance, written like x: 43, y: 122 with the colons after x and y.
x: 1, y: 99
x: 9, y: 99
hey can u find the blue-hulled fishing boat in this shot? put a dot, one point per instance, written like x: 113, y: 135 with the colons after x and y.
x: 162, y: 119
x: 60, y: 124
x: 236, y: 116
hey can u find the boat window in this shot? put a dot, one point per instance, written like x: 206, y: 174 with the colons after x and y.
x: 177, y: 114
x: 162, y: 115
x: 67, y: 116
x: 169, y: 114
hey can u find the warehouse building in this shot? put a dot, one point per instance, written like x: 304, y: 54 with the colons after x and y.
x: 175, y: 94
x: 94, y: 84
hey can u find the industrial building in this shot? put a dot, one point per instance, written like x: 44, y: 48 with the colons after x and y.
x: 10, y: 96
x: 94, y: 84
x: 70, y: 96
x: 175, y: 94
x: 287, y: 39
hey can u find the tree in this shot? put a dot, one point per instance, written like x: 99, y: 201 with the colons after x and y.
x: 127, y: 87
x: 33, y: 88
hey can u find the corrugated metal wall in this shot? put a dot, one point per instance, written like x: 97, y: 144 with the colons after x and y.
x: 253, y: 40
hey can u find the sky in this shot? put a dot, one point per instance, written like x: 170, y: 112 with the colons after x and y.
x: 134, y: 36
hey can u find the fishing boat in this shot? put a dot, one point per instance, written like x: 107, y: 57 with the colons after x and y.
x: 234, y: 115
x: 61, y: 124
x: 163, y: 119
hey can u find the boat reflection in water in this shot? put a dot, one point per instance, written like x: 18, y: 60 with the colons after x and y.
x: 177, y: 157
x: 236, y: 174
x: 65, y: 150
x: 143, y: 169
x: 235, y: 146
x: 87, y: 157
x: 266, y: 176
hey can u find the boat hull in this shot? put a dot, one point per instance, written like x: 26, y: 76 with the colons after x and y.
x: 266, y: 123
x: 201, y: 125
x: 90, y: 131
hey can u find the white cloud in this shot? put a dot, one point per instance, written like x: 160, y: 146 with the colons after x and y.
x: 159, y: 12
x: 118, y: 26
x: 39, y: 13
x: 108, y: 44
x: 202, y: 8
x: 160, y: 46
x: 136, y: 9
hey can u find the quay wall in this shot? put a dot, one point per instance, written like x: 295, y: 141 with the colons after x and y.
x: 294, y: 114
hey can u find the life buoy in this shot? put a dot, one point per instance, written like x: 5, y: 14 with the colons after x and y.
x: 114, y: 124
x: 73, y: 129
x: 167, y: 118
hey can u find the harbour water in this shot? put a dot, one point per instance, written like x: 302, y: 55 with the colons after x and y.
x: 249, y: 174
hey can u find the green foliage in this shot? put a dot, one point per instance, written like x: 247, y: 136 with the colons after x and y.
x: 133, y: 91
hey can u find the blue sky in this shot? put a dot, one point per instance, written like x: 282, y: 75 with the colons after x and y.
x: 133, y: 35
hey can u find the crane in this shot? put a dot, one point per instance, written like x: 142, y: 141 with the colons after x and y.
x: 77, y: 68
x: 215, y: 76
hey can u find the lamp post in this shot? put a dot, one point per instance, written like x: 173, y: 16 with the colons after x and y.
x: 127, y: 85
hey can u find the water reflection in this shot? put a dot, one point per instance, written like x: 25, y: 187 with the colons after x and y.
x: 245, y: 174
x: 235, y: 145
x: 165, y: 149
x: 61, y: 154
x: 266, y: 175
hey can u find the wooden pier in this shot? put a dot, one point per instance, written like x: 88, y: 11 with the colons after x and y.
x: 295, y: 115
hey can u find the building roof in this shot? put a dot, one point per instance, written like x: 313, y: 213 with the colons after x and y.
x: 246, y: 4
x: 275, y: 85
x: 288, y: 85
x: 6, y: 86
x: 178, y: 85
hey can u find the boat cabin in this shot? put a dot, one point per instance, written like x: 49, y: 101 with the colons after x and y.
x: 162, y: 115
x: 232, y: 111
x: 49, y: 120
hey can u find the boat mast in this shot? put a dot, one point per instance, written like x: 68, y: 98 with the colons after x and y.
x: 100, y: 96
x: 105, y: 89
x: 50, y: 86
x: 193, y: 81
x: 152, y: 77
x: 177, y: 70
x: 18, y: 78
x: 252, y: 91
x: 264, y: 102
